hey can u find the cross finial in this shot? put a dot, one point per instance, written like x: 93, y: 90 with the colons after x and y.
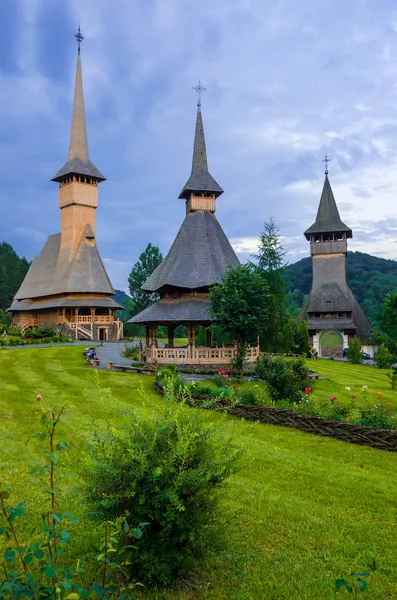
x: 199, y: 88
x: 326, y: 160
x: 79, y: 39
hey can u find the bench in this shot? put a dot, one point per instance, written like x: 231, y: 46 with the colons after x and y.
x: 124, y: 368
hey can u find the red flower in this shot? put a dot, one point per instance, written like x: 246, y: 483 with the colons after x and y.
x: 388, y: 404
x: 39, y: 396
x: 308, y: 390
x: 332, y: 398
x: 379, y: 394
x: 353, y: 396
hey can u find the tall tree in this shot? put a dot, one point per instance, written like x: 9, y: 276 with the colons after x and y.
x: 277, y: 329
x: 143, y: 268
x: 13, y: 269
x: 239, y: 305
x: 387, y: 334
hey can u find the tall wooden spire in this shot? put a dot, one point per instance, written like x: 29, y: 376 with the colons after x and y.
x: 200, y: 180
x: 78, y: 148
x: 78, y: 162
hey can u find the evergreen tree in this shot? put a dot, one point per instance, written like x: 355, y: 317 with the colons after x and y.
x: 143, y: 268
x: 382, y: 357
x: 12, y: 272
x: 354, y: 354
x: 301, y: 338
x: 277, y: 329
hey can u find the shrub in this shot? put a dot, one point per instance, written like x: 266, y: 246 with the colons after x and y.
x: 393, y: 377
x: 41, y: 566
x: 377, y: 415
x: 354, y: 354
x: 286, y: 379
x: 40, y: 333
x: 165, y: 470
x: 253, y: 394
x: 382, y: 357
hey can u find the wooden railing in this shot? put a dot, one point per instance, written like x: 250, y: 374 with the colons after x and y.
x: 24, y: 325
x: 197, y: 355
x: 86, y: 319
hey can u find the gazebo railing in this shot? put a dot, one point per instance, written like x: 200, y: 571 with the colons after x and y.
x: 197, y: 355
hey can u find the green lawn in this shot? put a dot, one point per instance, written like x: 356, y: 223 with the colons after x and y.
x: 303, y: 511
x: 339, y: 375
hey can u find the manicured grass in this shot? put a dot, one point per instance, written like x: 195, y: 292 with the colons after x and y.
x: 339, y: 375
x: 303, y: 511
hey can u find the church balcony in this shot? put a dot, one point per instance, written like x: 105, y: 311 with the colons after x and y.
x: 95, y: 319
x: 197, y: 355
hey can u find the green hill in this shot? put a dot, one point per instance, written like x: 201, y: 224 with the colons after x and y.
x: 120, y: 296
x: 369, y: 277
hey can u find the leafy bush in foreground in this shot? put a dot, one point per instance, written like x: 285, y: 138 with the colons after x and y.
x: 40, y: 567
x: 166, y: 471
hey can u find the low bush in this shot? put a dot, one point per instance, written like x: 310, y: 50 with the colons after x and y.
x: 286, y: 378
x: 39, y: 333
x: 42, y: 567
x: 253, y: 394
x: 354, y: 353
x: 166, y: 471
x: 130, y: 352
x: 382, y: 357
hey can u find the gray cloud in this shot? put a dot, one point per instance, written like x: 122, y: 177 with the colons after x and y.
x: 283, y: 89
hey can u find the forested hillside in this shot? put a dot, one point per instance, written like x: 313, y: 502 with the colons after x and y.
x: 12, y: 272
x: 369, y: 277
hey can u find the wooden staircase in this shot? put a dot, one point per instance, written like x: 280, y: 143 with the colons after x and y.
x: 24, y: 325
x: 81, y: 331
x: 118, y: 330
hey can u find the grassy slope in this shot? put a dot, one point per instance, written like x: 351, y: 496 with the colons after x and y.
x: 339, y: 375
x: 303, y: 510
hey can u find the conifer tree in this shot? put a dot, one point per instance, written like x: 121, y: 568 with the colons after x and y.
x: 277, y: 330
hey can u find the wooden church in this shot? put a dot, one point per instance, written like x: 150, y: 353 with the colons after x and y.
x: 67, y: 285
x: 332, y: 312
x: 197, y: 259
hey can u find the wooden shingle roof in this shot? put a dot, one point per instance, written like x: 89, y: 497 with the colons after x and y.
x: 183, y: 309
x: 53, y: 271
x: 198, y: 257
x: 328, y: 219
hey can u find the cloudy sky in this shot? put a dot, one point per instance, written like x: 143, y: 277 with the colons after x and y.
x: 286, y: 82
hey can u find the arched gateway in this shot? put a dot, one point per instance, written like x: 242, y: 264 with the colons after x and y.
x: 331, y: 344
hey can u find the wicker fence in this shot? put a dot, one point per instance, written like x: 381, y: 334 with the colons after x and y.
x: 382, y: 439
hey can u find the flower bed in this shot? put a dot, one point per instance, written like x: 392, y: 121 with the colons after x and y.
x: 382, y: 439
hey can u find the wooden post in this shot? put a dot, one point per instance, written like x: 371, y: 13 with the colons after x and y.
x: 154, y: 334
x: 171, y: 329
x: 147, y: 336
x: 209, y: 338
x: 191, y: 341
x: 92, y: 315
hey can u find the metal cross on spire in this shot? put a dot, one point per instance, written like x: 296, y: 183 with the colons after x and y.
x: 79, y: 39
x: 199, y: 88
x: 326, y: 160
